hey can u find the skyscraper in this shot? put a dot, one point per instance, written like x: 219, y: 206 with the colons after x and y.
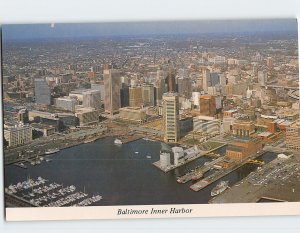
x: 206, y: 79
x: 92, y: 99
x: 185, y: 87
x: 171, y: 117
x: 112, y: 101
x: 171, y: 84
x: 148, y: 94
x: 42, y: 91
x: 124, y: 95
x: 159, y: 85
x: 262, y: 77
x: 207, y: 105
x: 135, y: 97
x: 270, y: 63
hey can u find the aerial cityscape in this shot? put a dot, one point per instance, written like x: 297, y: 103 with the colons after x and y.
x: 162, y: 114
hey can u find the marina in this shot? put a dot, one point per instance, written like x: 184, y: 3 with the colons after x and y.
x: 40, y: 192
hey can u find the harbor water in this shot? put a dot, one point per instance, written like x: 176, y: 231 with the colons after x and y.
x: 123, y: 174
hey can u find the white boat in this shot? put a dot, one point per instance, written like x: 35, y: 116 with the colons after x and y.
x: 221, y: 187
x: 118, y: 142
x: 149, y: 157
x: 136, y: 152
x: 51, y: 151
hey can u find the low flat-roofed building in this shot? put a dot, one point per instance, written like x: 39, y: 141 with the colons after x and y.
x: 66, y: 103
x: 240, y: 149
x: 45, y: 129
x: 87, y: 116
x: 230, y: 113
x: 17, y: 135
x: 133, y: 114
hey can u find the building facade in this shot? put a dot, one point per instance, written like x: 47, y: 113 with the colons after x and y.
x: 293, y: 136
x: 92, y: 99
x: 42, y: 91
x: 171, y: 117
x: 66, y: 103
x: 112, y: 83
x: 19, y: 135
x: 135, y: 97
x: 133, y: 114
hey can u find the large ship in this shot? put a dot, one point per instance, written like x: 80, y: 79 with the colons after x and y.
x: 51, y: 151
x: 197, y: 176
x: 221, y: 187
x: 118, y: 141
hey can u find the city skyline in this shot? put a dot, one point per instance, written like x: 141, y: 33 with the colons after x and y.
x: 164, y: 118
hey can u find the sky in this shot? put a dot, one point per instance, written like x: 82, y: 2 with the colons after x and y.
x: 77, y: 30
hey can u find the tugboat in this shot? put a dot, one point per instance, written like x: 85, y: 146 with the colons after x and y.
x: 221, y: 187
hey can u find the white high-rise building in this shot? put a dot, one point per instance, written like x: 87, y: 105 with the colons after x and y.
x: 171, y: 117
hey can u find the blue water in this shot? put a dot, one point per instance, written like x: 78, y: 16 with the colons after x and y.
x: 120, y: 175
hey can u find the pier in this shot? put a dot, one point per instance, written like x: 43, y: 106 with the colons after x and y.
x: 220, y: 174
x: 41, y: 193
x: 172, y: 167
x: 201, y: 170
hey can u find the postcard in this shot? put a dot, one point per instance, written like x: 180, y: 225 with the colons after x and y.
x: 163, y: 119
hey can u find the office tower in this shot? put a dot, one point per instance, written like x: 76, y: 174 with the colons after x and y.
x: 171, y: 117
x: 112, y: 100
x: 100, y: 87
x: 23, y: 116
x: 185, y: 87
x: 270, y: 63
x: 92, y: 99
x: 293, y: 136
x: 160, y: 85
x: 206, y: 79
x: 42, y: 91
x: 66, y: 103
x: 171, y: 84
x: 124, y: 95
x: 262, y: 77
x: 135, y: 97
x: 196, y: 99
x: 18, y: 135
x: 207, y: 105
x: 148, y: 94
x: 214, y: 79
x: 222, y: 80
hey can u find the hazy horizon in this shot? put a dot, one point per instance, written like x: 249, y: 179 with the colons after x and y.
x: 19, y: 32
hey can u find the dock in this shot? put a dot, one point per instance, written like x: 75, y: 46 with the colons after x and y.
x: 172, y: 167
x: 202, y: 170
x: 130, y: 138
x: 220, y: 174
x: 21, y: 165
